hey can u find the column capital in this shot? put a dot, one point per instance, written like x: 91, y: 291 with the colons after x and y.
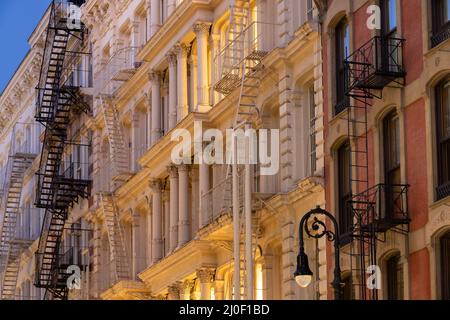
x: 171, y: 57
x: 201, y: 28
x: 187, y: 285
x: 183, y: 168
x: 174, y: 290
x: 181, y: 49
x: 154, y: 76
x: 173, y: 171
x: 206, y: 275
x: 156, y: 185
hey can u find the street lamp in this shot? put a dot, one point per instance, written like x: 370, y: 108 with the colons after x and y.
x: 318, y: 229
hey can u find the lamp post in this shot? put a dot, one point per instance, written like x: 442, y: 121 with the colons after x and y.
x: 318, y: 229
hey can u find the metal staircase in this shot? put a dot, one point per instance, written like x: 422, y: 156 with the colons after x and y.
x: 58, y: 185
x: 242, y: 69
x: 116, y: 236
x: 20, y: 159
x: 118, y: 150
x: 371, y: 68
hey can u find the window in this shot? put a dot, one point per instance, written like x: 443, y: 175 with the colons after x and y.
x: 394, y: 278
x: 344, y: 191
x: 441, y: 21
x: 392, y: 174
x: 444, y: 256
x: 312, y: 130
x: 443, y: 138
x: 347, y: 287
x: 342, y: 51
x: 388, y: 17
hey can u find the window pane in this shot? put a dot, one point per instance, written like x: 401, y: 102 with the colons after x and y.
x: 447, y: 10
x: 445, y: 114
x: 392, y: 14
x: 445, y: 266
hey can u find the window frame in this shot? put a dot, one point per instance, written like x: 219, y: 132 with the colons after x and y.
x: 342, y: 35
x: 442, y: 141
x: 444, y: 266
x: 343, y: 196
x: 440, y: 29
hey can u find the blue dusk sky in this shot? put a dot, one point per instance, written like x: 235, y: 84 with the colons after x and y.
x: 18, y: 18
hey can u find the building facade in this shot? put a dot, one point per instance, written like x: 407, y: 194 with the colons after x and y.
x: 346, y: 99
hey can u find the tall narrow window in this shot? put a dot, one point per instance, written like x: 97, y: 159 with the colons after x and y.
x: 445, y: 266
x: 394, y: 278
x: 443, y: 138
x: 392, y: 175
x: 345, y: 214
x: 312, y: 130
x: 342, y: 51
x: 440, y: 20
x: 388, y: 17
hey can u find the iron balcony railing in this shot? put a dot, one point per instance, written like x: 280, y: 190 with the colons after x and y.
x: 375, y: 64
x: 243, y: 53
x: 441, y: 35
x: 117, y: 70
x: 382, y: 207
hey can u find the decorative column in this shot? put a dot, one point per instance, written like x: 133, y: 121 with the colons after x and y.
x: 136, y: 243
x: 204, y: 188
x: 183, y: 224
x: 155, y: 16
x: 201, y: 30
x: 155, y: 78
x: 194, y: 199
x: 148, y: 10
x: 215, y: 65
x: 174, y: 291
x: 135, y: 138
x: 182, y: 52
x: 192, y: 74
x: 134, y: 39
x: 173, y: 84
x: 155, y: 186
x: 173, y: 172
x: 206, y: 277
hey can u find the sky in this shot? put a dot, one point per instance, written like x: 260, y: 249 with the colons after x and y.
x: 18, y: 18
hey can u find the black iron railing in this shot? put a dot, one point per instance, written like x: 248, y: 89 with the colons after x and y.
x: 443, y: 190
x: 441, y: 35
x: 382, y: 207
x: 375, y: 64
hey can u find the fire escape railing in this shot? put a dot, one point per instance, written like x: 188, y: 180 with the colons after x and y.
x: 373, y: 210
x: 59, y: 184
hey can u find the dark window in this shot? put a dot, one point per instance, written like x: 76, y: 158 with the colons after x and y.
x: 347, y: 287
x: 441, y: 21
x: 392, y: 176
x: 445, y: 266
x: 394, y: 277
x: 345, y: 214
x: 443, y: 137
x: 342, y: 51
x: 388, y: 17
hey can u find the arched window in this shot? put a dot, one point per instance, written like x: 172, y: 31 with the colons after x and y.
x: 394, y: 278
x: 444, y: 265
x: 442, y: 95
x: 344, y: 192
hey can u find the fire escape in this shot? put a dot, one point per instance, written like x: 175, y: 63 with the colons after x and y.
x: 242, y: 69
x: 12, y: 243
x: 59, y: 183
x: 374, y: 209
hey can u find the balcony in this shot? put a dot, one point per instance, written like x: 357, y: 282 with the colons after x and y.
x: 441, y: 35
x: 373, y: 66
x: 381, y: 208
x: 245, y: 52
x: 119, y: 69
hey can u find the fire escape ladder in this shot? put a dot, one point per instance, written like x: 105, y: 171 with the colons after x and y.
x: 371, y: 68
x: 118, y: 149
x: 116, y: 236
x: 58, y: 186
